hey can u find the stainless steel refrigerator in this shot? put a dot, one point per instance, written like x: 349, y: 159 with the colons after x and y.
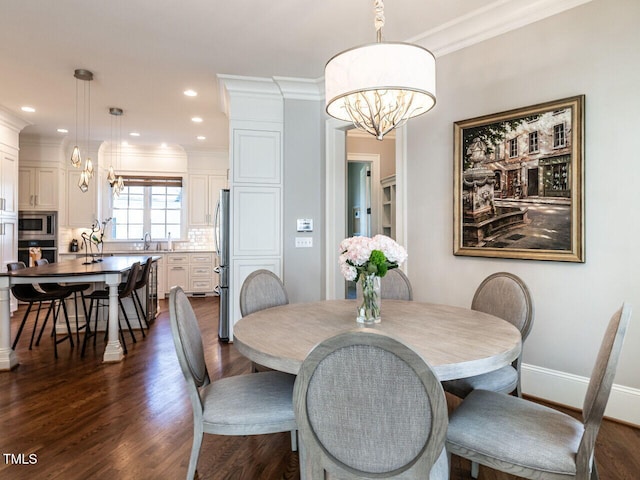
x: 221, y: 238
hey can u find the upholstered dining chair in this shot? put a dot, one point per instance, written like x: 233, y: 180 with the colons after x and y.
x: 506, y: 296
x: 252, y: 404
x: 368, y: 406
x: 529, y: 440
x: 395, y: 285
x: 261, y: 289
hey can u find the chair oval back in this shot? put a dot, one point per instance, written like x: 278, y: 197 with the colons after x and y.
x: 187, y: 339
x: 506, y: 296
x: 603, y: 373
x: 395, y: 285
x: 390, y: 417
x: 261, y: 289
x: 42, y: 261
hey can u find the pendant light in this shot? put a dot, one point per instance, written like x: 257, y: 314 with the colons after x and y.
x: 379, y: 86
x: 76, y: 157
x: 116, y: 183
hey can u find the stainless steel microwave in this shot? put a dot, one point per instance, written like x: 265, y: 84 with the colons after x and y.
x: 36, y: 224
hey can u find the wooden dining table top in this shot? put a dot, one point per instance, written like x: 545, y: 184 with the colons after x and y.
x: 457, y: 342
x: 78, y: 267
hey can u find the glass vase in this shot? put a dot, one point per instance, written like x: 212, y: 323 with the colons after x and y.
x: 369, y: 310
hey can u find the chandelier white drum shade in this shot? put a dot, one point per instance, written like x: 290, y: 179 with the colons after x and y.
x: 378, y: 87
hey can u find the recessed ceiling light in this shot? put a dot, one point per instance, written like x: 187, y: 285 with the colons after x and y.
x: 26, y: 108
x: 190, y: 93
x: 63, y: 130
x: 134, y: 134
x: 196, y: 119
x: 163, y: 145
x: 201, y: 137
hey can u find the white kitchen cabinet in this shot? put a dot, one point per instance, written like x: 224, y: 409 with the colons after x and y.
x: 81, y: 207
x: 203, y: 192
x: 38, y: 188
x: 201, y: 275
x: 178, y: 270
x: 193, y: 271
x: 8, y: 182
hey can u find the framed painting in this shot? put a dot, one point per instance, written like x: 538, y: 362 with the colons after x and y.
x: 519, y: 183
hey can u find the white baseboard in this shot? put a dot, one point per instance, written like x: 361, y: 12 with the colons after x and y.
x: 567, y: 389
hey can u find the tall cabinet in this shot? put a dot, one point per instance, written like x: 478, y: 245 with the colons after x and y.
x: 256, y: 123
x: 10, y: 127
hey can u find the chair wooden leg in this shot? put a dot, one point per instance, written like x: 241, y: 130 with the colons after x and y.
x: 475, y: 469
x: 142, y: 310
x: 140, y: 316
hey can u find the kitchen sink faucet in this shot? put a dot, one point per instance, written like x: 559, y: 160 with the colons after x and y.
x: 147, y: 240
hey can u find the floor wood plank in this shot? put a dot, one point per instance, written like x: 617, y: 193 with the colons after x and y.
x: 83, y: 419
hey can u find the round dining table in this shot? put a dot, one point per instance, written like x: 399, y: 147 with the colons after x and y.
x: 457, y: 342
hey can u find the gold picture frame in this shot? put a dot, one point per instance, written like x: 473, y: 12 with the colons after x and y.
x: 519, y: 183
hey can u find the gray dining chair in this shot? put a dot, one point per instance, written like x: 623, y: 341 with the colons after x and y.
x: 261, y: 289
x: 395, y: 285
x: 506, y: 296
x: 529, y: 440
x: 253, y: 404
x: 368, y: 406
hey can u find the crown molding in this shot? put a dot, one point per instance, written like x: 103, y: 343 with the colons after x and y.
x: 10, y: 120
x: 301, y: 88
x: 498, y: 17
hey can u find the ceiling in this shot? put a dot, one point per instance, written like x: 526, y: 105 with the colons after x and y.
x: 144, y: 54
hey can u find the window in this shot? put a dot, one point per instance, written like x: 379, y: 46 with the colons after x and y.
x: 148, y: 204
x: 559, y: 136
x: 513, y: 148
x: 533, y: 142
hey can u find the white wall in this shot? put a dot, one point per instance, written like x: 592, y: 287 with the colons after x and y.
x: 594, y: 50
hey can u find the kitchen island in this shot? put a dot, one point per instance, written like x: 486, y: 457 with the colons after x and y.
x: 110, y: 270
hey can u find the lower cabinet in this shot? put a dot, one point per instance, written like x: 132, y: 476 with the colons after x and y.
x: 194, y: 272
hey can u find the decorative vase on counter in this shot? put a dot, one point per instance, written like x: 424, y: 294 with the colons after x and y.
x: 369, y: 310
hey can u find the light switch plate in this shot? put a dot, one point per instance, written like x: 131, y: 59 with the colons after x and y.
x: 304, y: 242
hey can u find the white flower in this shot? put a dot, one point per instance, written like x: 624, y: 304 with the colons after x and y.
x: 355, y: 253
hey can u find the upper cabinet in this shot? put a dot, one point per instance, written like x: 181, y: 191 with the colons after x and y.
x: 8, y: 182
x: 38, y: 188
x: 203, y: 193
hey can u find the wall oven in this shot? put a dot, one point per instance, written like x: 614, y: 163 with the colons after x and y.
x: 31, y: 250
x: 37, y: 225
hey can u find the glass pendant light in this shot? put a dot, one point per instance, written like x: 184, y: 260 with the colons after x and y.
x: 86, y: 76
x: 83, y: 183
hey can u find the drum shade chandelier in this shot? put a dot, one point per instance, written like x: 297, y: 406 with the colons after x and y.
x: 379, y: 86
x: 76, y: 158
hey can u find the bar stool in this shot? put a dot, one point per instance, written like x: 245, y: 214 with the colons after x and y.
x: 73, y: 289
x: 27, y: 293
x: 101, y: 299
x: 142, y: 282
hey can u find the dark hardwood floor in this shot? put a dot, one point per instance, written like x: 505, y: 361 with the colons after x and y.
x: 77, y: 418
